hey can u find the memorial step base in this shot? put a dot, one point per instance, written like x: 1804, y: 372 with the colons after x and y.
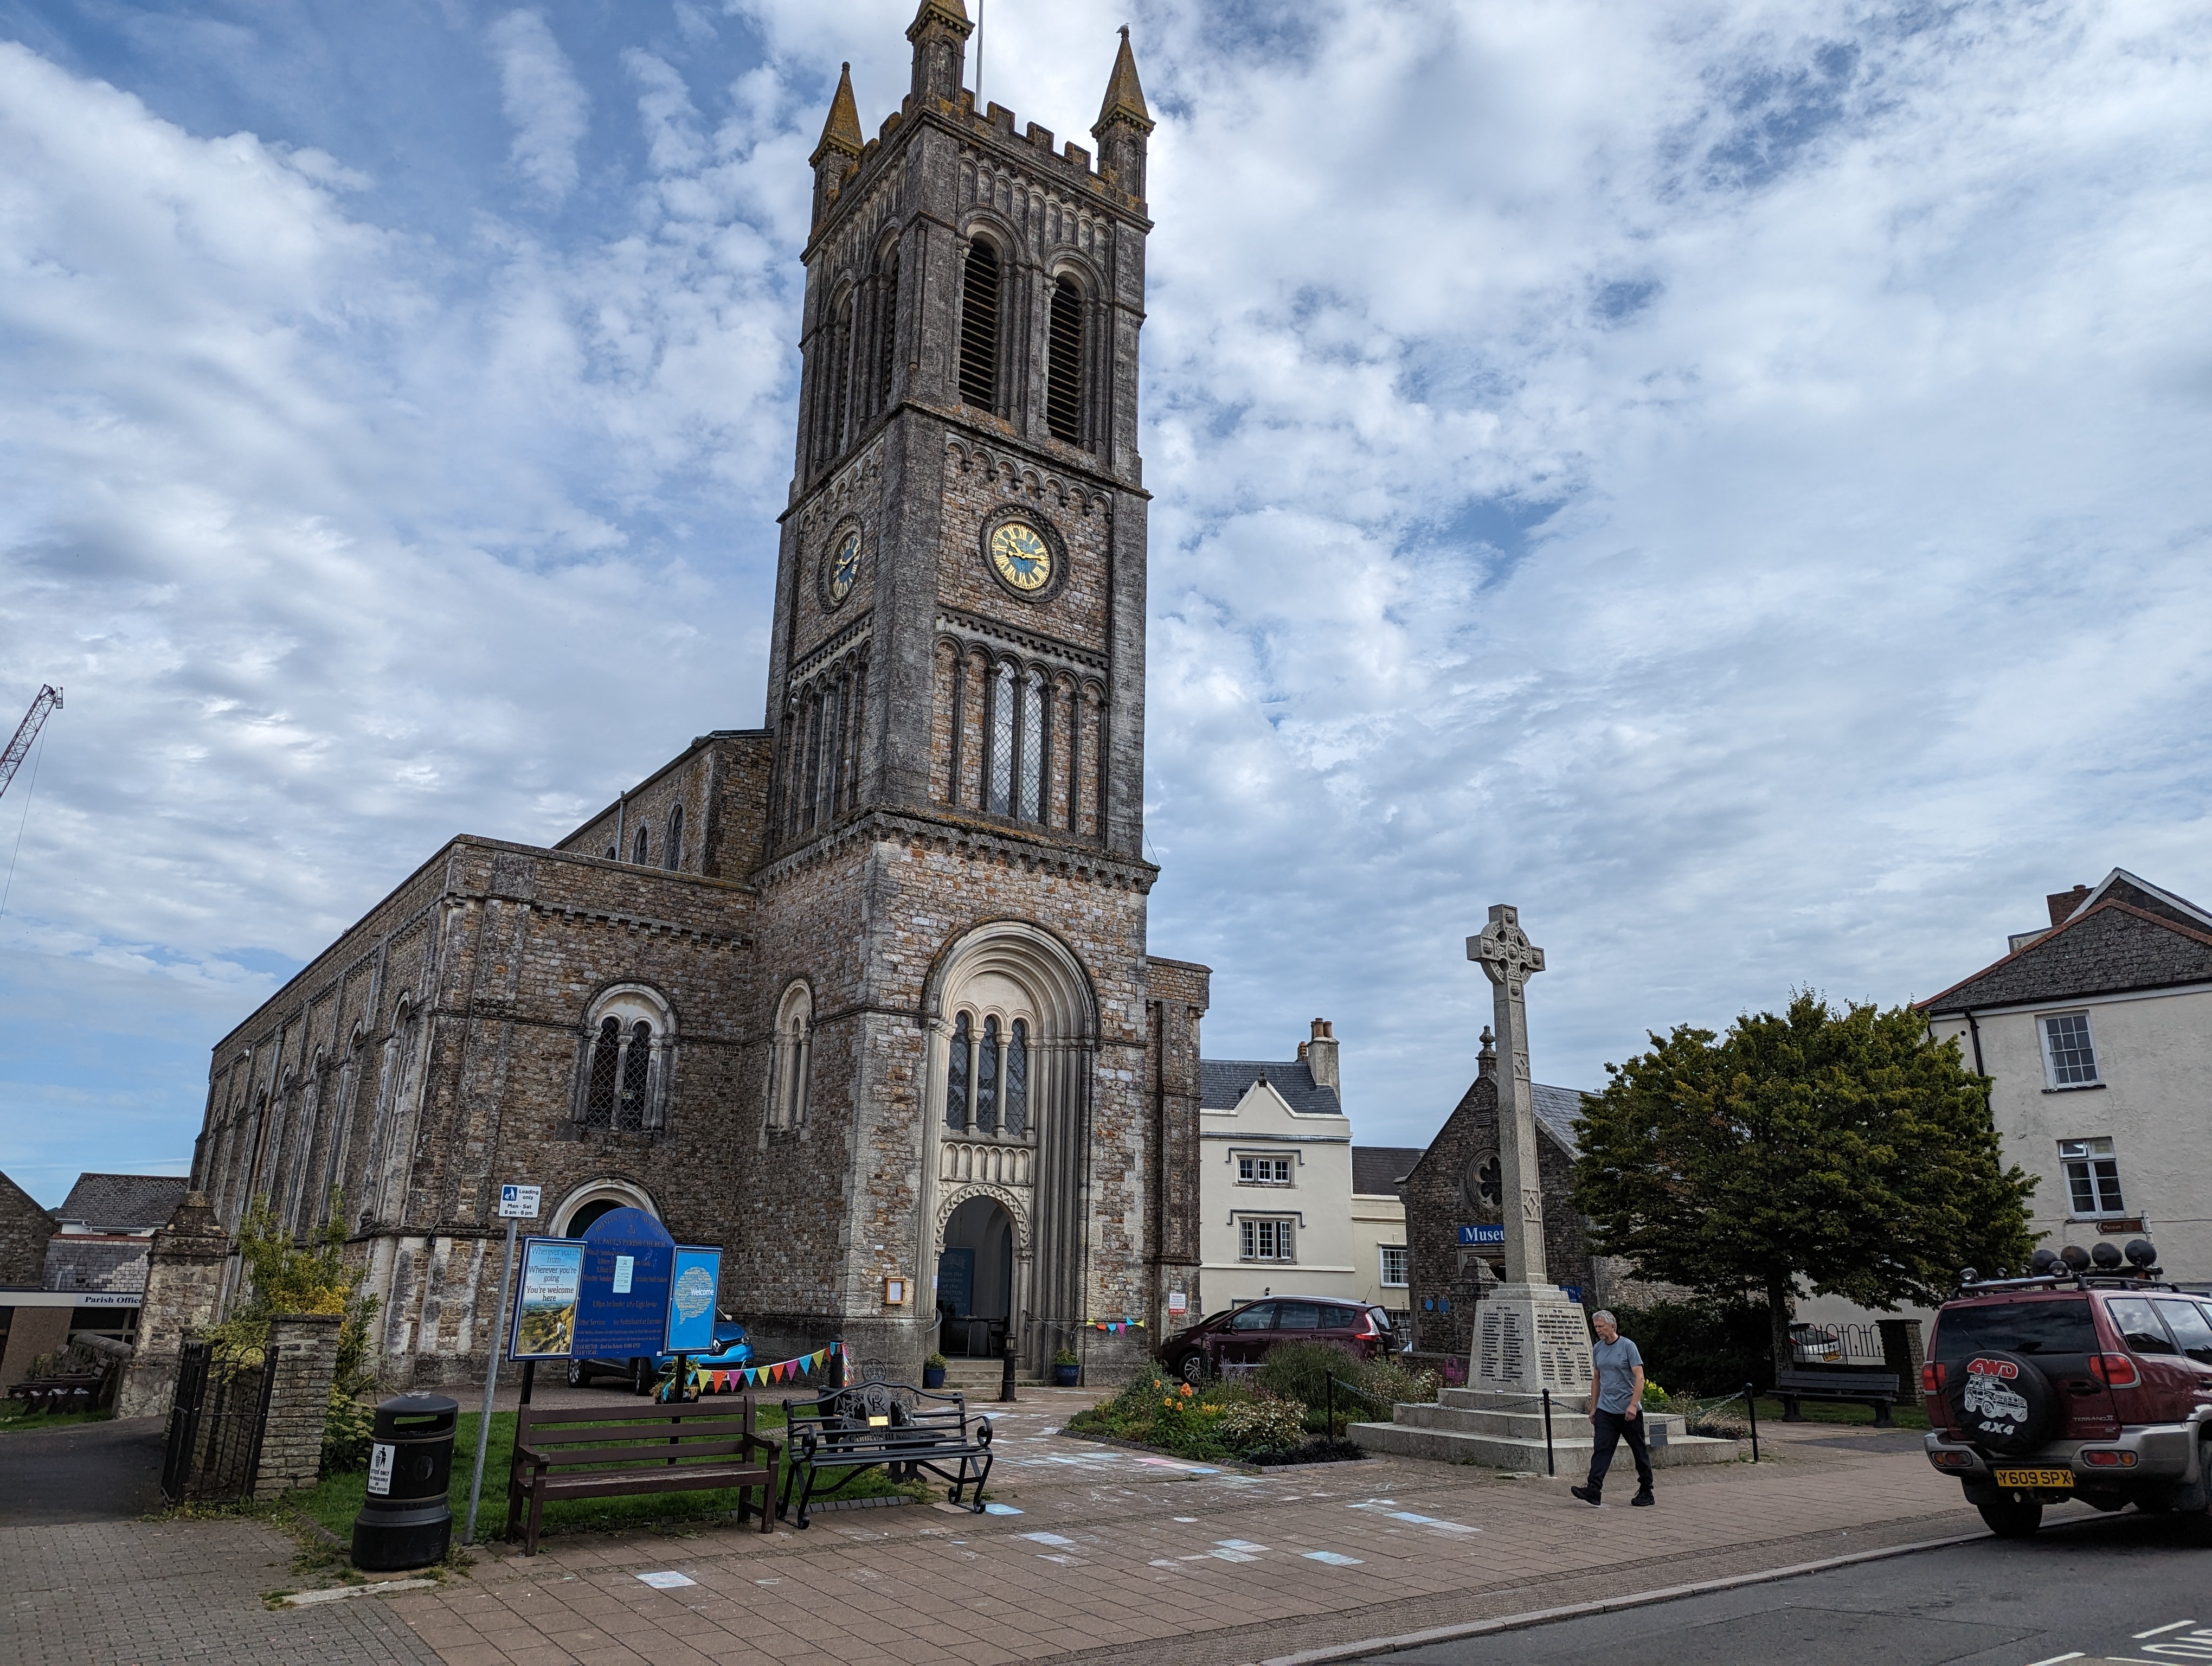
x: 1511, y: 1440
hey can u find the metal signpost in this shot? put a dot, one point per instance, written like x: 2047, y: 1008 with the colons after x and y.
x: 516, y: 1204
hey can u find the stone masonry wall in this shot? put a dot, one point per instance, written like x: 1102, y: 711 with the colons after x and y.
x: 1437, y: 1204
x: 24, y: 1229
x: 303, y: 1353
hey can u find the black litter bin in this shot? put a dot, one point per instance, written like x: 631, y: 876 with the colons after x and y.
x: 408, y: 1521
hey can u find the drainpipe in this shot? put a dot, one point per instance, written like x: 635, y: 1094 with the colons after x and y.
x: 1975, y: 1030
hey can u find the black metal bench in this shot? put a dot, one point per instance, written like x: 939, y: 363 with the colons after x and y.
x: 1866, y: 1388
x: 901, y: 1429
x: 592, y: 1452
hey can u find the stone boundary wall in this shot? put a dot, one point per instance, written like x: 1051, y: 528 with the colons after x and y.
x: 303, y: 1353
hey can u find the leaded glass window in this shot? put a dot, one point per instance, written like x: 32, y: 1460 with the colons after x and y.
x: 956, y: 1075
x: 1032, y: 746
x: 606, y: 1054
x: 1017, y: 1080
x: 1002, y: 742
x: 987, y: 1080
x: 636, y: 1076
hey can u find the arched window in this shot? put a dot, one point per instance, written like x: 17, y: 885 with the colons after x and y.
x: 987, y: 1080
x: 613, y: 854
x: 640, y: 849
x: 1063, y: 390
x: 606, y: 1060
x: 625, y: 1067
x: 1000, y: 792
x: 671, y: 855
x: 978, y: 328
x: 1017, y: 1080
x: 791, y: 1057
x: 887, y: 329
x: 841, y: 424
x: 956, y: 1076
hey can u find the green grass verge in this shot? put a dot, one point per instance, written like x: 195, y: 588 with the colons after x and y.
x: 14, y: 1416
x: 335, y: 1500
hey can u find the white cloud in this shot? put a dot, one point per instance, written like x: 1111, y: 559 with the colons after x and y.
x: 542, y: 98
x: 1726, y: 477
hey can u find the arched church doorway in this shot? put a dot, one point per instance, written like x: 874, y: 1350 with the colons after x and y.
x: 975, y: 1280
x: 581, y: 1222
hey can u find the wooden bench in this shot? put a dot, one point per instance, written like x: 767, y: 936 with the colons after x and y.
x: 60, y: 1394
x: 593, y: 1452
x: 903, y: 1430
x: 1875, y: 1389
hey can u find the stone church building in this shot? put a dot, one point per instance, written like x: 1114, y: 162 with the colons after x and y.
x: 872, y: 982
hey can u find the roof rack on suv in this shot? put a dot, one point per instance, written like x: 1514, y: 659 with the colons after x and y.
x: 2071, y: 1268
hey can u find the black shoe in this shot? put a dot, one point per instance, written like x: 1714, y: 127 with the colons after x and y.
x: 1586, y: 1495
x: 1644, y: 1498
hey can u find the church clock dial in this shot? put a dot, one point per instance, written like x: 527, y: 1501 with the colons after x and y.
x: 845, y: 566
x: 1022, y: 558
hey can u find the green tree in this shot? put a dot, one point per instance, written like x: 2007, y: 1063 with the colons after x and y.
x: 1845, y: 1151
x: 285, y: 1274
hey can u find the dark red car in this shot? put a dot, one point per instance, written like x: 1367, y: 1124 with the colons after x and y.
x: 1238, y: 1338
x: 2094, y: 1385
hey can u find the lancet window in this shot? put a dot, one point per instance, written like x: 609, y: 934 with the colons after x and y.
x: 1063, y: 394
x: 672, y: 849
x: 818, y: 751
x: 979, y: 327
x: 1018, y: 739
x: 791, y: 1058
x: 986, y: 1076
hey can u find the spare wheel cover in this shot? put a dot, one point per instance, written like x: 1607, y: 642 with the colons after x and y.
x: 2002, y: 1402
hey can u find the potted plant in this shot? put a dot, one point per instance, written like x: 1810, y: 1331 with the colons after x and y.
x: 933, y: 1372
x: 1064, y: 1366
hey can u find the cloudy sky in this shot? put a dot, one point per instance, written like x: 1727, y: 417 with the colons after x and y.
x: 1734, y: 478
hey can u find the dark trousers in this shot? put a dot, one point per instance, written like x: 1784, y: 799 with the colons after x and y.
x: 1610, y: 1426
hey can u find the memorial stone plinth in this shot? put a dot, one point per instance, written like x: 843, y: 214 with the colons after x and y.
x: 1529, y: 1334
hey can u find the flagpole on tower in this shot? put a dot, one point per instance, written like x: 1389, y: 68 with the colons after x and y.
x: 982, y: 108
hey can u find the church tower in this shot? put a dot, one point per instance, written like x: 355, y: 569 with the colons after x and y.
x: 963, y: 1120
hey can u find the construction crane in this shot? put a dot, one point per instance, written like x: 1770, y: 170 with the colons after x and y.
x: 49, y: 700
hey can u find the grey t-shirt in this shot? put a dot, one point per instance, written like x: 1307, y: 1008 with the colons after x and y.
x: 1616, y: 1362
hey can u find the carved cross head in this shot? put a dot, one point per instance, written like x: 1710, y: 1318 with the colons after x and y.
x: 1508, y: 957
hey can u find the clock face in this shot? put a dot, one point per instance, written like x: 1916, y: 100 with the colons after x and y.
x: 1022, y: 558
x: 845, y: 566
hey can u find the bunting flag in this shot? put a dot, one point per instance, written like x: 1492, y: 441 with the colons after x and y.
x: 1117, y: 1326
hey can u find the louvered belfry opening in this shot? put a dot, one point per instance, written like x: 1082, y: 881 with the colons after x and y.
x: 978, y: 328
x: 1063, y: 396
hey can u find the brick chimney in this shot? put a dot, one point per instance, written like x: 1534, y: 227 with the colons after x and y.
x: 1320, y: 1055
x: 2064, y: 902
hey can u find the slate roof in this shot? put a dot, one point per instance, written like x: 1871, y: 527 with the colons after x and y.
x: 120, y: 1202
x: 1376, y: 1169
x: 2113, y: 944
x: 115, y: 1265
x: 1222, y: 1083
x: 1556, y: 1108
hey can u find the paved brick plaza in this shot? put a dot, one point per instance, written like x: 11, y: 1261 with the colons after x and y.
x: 1115, y: 1555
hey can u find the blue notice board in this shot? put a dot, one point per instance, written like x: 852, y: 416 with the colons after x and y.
x: 621, y: 1303
x: 697, y: 1273
x: 1482, y: 1234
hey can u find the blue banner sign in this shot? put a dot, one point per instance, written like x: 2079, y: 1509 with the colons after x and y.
x: 1482, y: 1234
x: 621, y: 1303
x: 698, y: 1272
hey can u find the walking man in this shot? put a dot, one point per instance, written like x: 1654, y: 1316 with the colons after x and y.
x: 1616, y: 1409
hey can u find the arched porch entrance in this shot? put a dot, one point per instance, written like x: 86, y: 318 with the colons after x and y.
x: 975, y: 1280
x: 1014, y: 1037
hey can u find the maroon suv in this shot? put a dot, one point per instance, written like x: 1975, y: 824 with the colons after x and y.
x: 2070, y: 1384
x: 1238, y: 1338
